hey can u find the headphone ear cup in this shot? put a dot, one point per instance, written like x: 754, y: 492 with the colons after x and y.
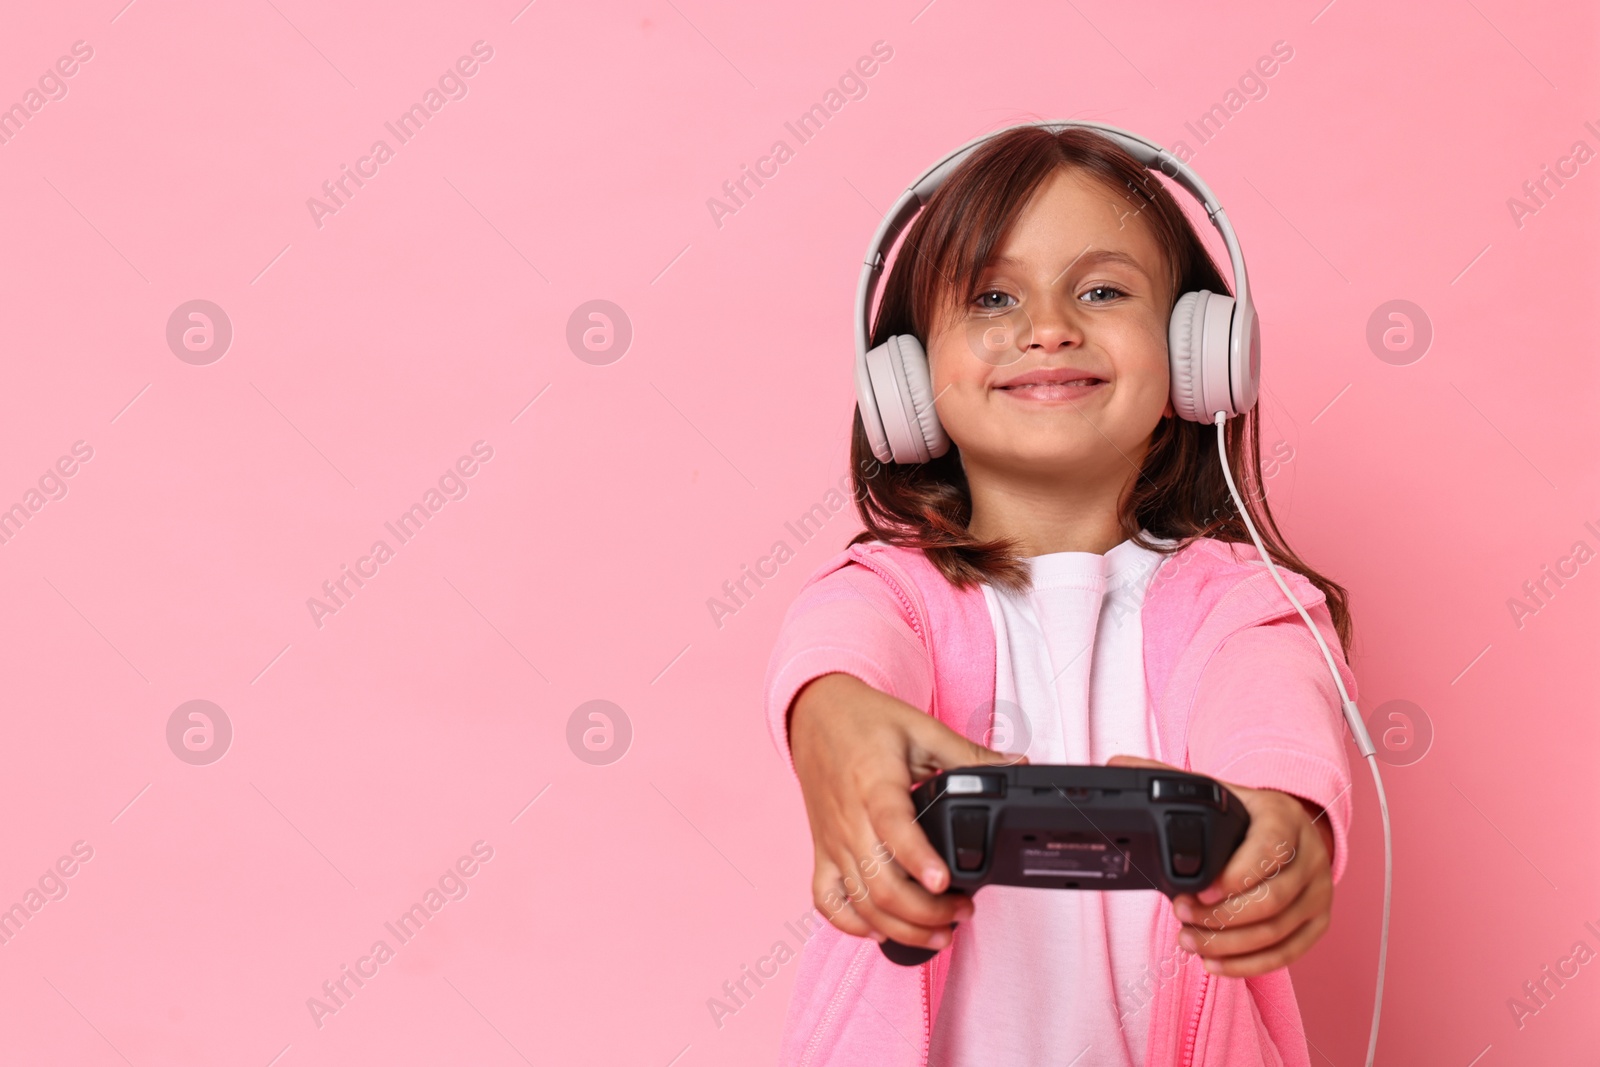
x: 926, y: 429
x: 867, y: 405
x: 1183, y: 346
x: 902, y: 413
x: 1245, y: 364
x: 1200, y: 355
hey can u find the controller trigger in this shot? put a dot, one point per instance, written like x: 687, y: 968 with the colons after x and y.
x: 908, y: 955
x: 1186, y: 834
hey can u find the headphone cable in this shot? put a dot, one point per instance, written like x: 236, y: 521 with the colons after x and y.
x: 1358, y: 731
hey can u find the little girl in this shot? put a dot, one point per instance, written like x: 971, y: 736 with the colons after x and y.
x: 1069, y: 582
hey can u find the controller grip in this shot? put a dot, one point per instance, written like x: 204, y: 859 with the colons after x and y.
x: 908, y: 955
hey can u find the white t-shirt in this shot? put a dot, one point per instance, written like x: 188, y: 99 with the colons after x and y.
x: 1043, y: 976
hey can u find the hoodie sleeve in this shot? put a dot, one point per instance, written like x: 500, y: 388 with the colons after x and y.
x: 1267, y: 716
x: 848, y: 620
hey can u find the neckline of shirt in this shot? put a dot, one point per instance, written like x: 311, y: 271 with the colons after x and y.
x: 1119, y: 565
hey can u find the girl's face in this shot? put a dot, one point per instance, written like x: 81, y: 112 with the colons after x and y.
x: 1077, y: 294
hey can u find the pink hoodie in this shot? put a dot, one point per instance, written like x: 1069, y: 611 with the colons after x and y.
x: 1239, y: 691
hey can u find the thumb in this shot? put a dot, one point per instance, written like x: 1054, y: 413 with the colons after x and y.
x: 1120, y: 760
x: 936, y: 748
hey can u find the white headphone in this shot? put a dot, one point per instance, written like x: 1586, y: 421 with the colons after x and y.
x: 1214, y: 348
x: 1213, y: 340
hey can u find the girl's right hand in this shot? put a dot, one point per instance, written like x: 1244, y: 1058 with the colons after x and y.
x: 857, y: 751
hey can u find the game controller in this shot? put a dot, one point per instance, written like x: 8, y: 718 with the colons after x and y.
x: 1067, y: 826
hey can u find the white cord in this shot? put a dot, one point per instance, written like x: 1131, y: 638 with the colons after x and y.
x: 1358, y: 730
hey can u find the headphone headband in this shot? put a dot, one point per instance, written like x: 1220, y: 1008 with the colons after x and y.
x: 1152, y: 155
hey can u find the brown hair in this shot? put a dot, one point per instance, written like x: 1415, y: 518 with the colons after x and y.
x: 1180, y: 492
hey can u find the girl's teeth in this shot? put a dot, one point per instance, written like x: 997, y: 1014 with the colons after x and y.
x: 1051, y: 385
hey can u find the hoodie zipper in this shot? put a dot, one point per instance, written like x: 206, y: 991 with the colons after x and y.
x: 850, y: 975
x: 1192, y: 1030
x: 927, y: 1011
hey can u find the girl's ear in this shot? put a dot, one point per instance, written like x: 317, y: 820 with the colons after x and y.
x: 1168, y: 411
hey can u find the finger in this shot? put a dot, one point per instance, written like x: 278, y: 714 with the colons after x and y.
x: 893, y: 820
x: 892, y: 890
x: 881, y: 886
x: 1268, y: 896
x: 845, y: 917
x: 1187, y: 906
x: 880, y: 891
x: 935, y: 747
x: 1247, y: 938
x: 829, y: 898
x: 839, y: 893
x: 1268, y: 852
x: 1279, y: 955
x: 1121, y: 760
x: 935, y: 935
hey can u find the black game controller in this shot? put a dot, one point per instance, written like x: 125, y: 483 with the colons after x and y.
x: 1066, y: 826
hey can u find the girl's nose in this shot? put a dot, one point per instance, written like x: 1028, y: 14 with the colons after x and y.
x: 1052, y: 326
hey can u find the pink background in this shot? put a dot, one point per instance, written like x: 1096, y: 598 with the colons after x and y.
x: 371, y: 352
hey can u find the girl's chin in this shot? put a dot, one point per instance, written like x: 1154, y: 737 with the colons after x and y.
x: 1060, y: 455
x: 1062, y: 440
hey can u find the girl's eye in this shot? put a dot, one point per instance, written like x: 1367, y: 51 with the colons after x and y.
x: 982, y: 297
x: 1106, y: 289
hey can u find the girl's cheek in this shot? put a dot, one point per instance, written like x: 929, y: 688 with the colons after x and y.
x: 939, y: 366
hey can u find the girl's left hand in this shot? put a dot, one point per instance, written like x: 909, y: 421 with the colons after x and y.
x: 1273, y: 900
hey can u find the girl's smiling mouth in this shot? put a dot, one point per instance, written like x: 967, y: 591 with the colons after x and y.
x: 1051, y: 384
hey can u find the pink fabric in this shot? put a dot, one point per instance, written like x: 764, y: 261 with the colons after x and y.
x: 1240, y: 691
x: 1042, y: 977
